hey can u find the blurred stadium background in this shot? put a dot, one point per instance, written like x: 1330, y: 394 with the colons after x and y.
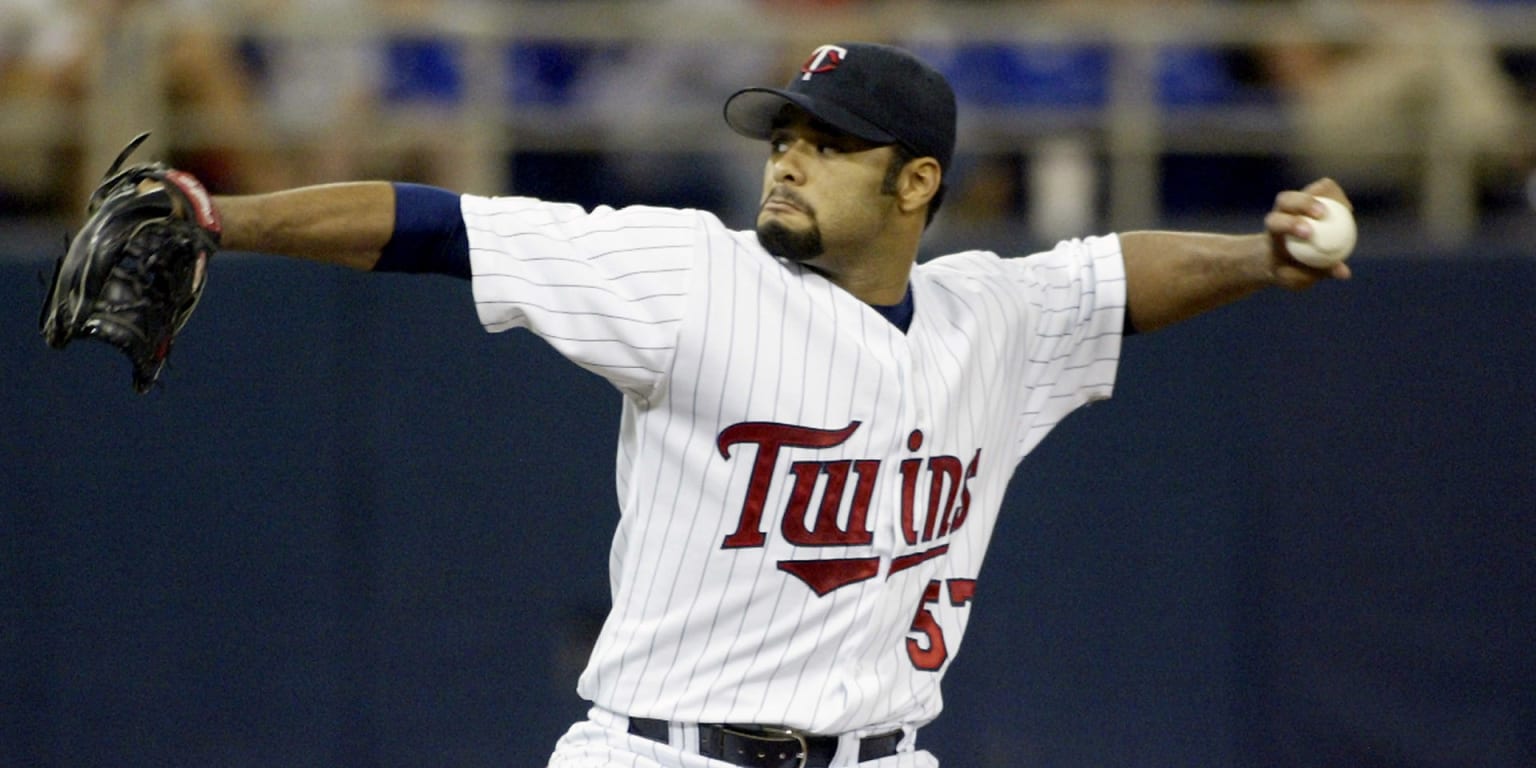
x: 353, y: 530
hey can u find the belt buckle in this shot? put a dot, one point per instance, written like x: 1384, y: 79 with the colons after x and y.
x: 776, y: 734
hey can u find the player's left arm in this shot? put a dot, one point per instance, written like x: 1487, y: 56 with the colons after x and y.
x: 1173, y: 276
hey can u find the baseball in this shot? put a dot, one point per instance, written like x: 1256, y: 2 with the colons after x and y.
x: 1333, y: 237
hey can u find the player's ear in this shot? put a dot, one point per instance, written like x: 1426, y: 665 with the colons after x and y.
x: 920, y: 181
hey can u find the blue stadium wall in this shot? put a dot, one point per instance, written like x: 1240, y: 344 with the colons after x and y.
x: 355, y: 530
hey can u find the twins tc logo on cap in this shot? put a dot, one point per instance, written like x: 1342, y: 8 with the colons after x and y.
x: 823, y: 59
x: 878, y: 93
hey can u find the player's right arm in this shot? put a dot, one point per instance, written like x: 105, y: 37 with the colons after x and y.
x: 347, y: 224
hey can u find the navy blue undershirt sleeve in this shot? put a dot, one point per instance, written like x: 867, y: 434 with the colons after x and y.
x: 429, y: 234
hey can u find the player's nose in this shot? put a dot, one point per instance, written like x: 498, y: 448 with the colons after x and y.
x: 788, y: 167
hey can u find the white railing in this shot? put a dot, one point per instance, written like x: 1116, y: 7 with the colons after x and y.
x: 1131, y: 129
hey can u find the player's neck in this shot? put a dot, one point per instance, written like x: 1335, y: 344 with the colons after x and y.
x: 885, y: 292
x: 882, y: 285
x: 874, y: 271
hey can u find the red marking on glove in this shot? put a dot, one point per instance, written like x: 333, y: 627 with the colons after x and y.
x: 202, y: 204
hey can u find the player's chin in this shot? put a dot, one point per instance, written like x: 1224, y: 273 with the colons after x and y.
x: 782, y: 216
x: 787, y: 242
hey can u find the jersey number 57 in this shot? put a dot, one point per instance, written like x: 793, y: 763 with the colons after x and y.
x: 929, y: 653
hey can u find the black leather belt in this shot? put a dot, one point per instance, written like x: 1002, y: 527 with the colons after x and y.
x: 761, y: 747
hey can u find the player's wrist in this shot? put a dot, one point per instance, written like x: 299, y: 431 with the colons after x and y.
x: 194, y: 203
x: 1250, y: 260
x: 187, y: 198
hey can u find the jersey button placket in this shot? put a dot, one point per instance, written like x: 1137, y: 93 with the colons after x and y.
x: 913, y: 417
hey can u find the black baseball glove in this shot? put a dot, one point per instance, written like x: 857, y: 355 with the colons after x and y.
x: 134, y: 272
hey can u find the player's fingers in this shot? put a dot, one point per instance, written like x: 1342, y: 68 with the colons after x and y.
x: 1279, y: 223
x: 1326, y: 187
x: 1297, y: 277
x: 1299, y: 203
x: 1294, y: 275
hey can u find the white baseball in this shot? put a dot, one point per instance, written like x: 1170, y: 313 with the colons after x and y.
x: 1332, y: 240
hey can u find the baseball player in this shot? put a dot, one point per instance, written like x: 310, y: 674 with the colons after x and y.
x: 817, y: 431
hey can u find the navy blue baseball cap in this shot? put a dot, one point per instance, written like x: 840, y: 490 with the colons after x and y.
x: 879, y: 93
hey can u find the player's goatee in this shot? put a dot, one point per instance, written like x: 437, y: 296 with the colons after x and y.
x: 784, y: 242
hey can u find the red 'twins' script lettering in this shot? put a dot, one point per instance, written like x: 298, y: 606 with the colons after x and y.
x: 947, y: 484
x: 769, y: 438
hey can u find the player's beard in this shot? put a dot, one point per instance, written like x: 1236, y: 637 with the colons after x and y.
x: 779, y: 240
x: 795, y: 245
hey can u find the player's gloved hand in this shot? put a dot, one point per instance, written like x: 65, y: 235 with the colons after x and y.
x: 134, y: 272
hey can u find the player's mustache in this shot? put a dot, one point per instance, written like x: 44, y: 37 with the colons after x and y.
x: 787, y: 195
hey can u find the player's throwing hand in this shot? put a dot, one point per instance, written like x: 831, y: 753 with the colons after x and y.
x: 1294, y: 215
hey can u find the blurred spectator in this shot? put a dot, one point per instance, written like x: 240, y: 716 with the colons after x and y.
x: 990, y: 185
x: 638, y: 94
x: 1385, y: 81
x: 380, y: 93
x: 72, y: 63
x: 39, y: 50
x: 1050, y: 95
x: 314, y: 91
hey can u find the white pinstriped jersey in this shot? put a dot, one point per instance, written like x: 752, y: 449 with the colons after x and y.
x: 805, y: 491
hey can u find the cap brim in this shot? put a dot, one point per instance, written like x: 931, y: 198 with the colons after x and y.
x: 751, y: 112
